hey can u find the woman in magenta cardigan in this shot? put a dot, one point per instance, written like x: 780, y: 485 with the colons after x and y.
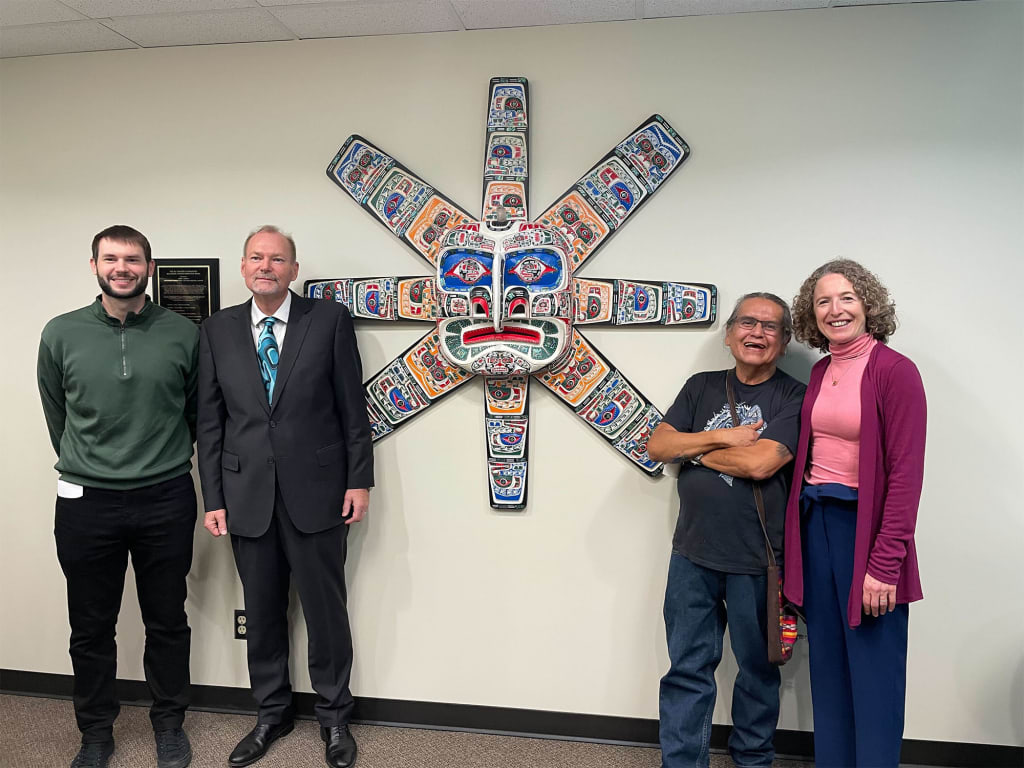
x: 850, y: 555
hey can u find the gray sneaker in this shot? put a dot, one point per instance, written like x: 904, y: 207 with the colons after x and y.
x: 93, y: 754
x: 173, y: 749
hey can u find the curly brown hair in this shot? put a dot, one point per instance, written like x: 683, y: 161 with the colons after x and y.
x: 879, y: 309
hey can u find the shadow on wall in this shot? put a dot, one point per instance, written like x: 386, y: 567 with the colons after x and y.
x: 798, y: 361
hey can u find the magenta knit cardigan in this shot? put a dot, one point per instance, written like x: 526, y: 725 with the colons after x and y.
x: 892, y: 434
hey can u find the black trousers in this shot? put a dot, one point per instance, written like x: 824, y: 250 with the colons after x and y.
x: 316, y: 561
x: 95, y: 535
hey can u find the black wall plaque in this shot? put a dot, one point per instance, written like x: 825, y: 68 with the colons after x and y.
x: 190, y: 287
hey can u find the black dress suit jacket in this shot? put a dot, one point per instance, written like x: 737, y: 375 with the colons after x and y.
x: 314, y: 441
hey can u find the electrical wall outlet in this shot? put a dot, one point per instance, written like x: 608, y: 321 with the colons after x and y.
x: 240, y: 625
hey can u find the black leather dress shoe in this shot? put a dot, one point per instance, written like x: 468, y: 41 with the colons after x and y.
x: 256, y: 743
x: 341, y: 747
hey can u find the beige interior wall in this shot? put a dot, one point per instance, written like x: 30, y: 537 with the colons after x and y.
x: 892, y: 134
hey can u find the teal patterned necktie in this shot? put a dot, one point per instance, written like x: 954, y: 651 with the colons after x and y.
x: 266, y: 351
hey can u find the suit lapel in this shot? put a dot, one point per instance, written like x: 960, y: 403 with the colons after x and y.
x: 251, y: 365
x: 298, y: 324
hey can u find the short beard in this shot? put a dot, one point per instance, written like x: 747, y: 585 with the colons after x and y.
x: 138, y: 290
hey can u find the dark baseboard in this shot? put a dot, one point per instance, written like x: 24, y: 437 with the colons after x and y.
x: 506, y: 720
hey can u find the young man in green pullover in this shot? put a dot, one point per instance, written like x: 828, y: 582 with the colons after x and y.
x: 118, y: 385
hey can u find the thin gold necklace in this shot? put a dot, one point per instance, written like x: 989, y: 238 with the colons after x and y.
x: 831, y: 372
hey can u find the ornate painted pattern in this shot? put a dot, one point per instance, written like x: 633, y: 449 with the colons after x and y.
x: 613, y: 405
x: 430, y: 369
x: 574, y: 217
x: 574, y: 380
x: 398, y: 199
x: 416, y: 299
x: 437, y: 216
x: 504, y: 300
x: 593, y: 300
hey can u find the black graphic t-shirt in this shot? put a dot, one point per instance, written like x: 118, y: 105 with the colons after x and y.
x: 718, y: 526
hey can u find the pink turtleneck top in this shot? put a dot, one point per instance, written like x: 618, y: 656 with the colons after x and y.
x: 835, y: 418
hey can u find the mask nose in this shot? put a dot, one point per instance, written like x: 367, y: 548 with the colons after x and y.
x: 497, y: 292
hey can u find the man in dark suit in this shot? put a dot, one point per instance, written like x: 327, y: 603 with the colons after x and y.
x: 285, y: 457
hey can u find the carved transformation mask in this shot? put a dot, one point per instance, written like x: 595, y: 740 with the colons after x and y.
x: 505, y: 298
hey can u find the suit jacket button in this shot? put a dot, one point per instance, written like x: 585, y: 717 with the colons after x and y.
x: 273, y: 423
x: 270, y: 460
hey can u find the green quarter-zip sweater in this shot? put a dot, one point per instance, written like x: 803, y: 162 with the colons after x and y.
x: 120, y: 399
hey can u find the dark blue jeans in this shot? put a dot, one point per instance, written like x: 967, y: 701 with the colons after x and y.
x: 698, y: 602
x: 95, y: 535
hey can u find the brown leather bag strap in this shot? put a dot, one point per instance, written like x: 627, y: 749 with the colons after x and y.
x: 758, y: 496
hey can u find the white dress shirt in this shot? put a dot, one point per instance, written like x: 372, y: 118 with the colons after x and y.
x: 280, y: 327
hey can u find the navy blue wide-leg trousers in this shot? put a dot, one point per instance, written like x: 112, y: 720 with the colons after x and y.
x: 858, y: 676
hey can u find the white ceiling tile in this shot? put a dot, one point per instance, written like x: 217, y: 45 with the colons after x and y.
x: 34, y: 12
x: 242, y: 26
x: 269, y: 3
x: 656, y: 9
x: 359, y: 17
x: 491, y: 14
x: 63, y: 37
x: 102, y: 9
x: 838, y: 3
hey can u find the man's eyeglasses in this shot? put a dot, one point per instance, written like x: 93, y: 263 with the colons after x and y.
x: 770, y: 327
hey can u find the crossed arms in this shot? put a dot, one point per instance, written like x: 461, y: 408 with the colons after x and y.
x: 736, y: 451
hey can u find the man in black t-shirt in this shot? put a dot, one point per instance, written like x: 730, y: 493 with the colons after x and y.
x: 718, y: 550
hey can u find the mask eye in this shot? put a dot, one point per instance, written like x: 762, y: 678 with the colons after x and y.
x: 517, y: 307
x: 468, y: 270
x: 460, y: 269
x: 535, y: 270
x: 530, y: 270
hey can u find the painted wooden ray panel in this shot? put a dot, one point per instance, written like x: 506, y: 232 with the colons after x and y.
x: 506, y: 423
x: 633, y: 442
x: 631, y: 302
x: 576, y: 379
x: 606, y: 400
x: 503, y: 296
x: 408, y: 385
x: 332, y: 290
x: 436, y: 217
x: 379, y: 298
x: 665, y: 303
x: 409, y: 207
x: 613, y: 406
x: 506, y: 149
x: 615, y: 188
x: 689, y: 303
x: 593, y: 300
x: 573, y: 216
x: 416, y: 299
x: 506, y: 438
x: 506, y: 395
x: 507, y: 481
x: 653, y: 151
